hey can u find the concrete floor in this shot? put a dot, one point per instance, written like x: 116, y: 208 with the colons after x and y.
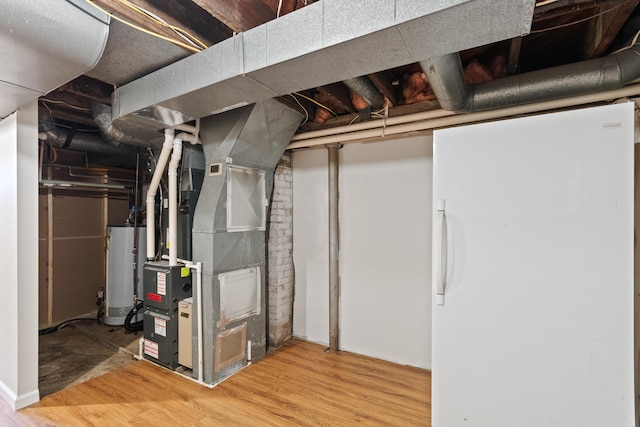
x: 81, y: 351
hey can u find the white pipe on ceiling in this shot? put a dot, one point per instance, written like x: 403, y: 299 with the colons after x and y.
x: 377, y: 130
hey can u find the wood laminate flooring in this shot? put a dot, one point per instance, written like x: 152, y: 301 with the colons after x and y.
x: 297, y: 385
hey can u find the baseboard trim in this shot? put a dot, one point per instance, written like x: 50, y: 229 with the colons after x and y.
x: 18, y: 402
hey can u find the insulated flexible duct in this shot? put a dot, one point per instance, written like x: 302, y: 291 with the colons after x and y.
x: 446, y: 78
x: 113, y: 135
x: 80, y: 141
x: 364, y: 87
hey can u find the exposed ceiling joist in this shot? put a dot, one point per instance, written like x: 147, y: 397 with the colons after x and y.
x: 514, y: 55
x: 339, y: 95
x: 387, y: 83
x: 239, y: 15
x: 563, y: 31
x: 87, y: 87
x: 67, y: 115
x: 242, y: 15
x: 184, y: 15
x: 606, y: 26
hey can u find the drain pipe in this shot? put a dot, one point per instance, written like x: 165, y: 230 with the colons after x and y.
x: 151, y: 193
x: 198, y: 267
x: 446, y: 78
x: 334, y: 248
x: 172, y: 239
x: 411, y: 124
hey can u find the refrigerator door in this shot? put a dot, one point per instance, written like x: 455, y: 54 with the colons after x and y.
x: 534, y: 322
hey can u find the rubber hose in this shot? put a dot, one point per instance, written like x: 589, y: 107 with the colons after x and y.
x: 135, y: 326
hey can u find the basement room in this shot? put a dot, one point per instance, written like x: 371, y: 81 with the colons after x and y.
x: 320, y: 212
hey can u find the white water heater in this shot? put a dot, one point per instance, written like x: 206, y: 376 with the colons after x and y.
x: 120, y: 271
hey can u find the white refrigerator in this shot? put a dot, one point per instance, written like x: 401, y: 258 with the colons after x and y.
x: 533, y: 271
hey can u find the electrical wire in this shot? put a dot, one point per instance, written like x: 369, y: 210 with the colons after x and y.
x: 188, y: 37
x: 77, y: 129
x: 568, y: 24
x: 546, y: 2
x: 316, y: 102
x: 144, y: 30
x: 378, y: 114
x: 633, y: 42
x: 66, y: 104
x: 56, y: 328
x: 306, y: 113
x: 55, y: 153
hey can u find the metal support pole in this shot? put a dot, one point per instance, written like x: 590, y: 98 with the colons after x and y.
x: 334, y: 248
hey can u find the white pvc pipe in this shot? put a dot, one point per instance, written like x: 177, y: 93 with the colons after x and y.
x: 140, y: 354
x: 62, y: 183
x: 151, y: 193
x: 372, y: 124
x: 418, y: 123
x: 198, y: 267
x: 192, y: 133
x: 185, y: 128
x: 172, y: 240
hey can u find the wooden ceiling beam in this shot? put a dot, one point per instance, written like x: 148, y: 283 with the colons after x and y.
x: 89, y: 88
x: 185, y: 15
x: 191, y: 17
x: 562, y: 8
x: 68, y: 101
x: 387, y: 83
x: 66, y: 115
x: 604, y: 28
x: 242, y: 15
x: 514, y: 55
x: 239, y: 15
x: 339, y: 95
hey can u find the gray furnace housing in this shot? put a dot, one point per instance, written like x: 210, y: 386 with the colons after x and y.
x: 242, y: 148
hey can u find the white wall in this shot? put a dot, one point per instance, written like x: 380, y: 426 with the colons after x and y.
x: 18, y: 257
x: 385, y: 248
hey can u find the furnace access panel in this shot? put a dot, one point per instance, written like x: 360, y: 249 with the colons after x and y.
x: 164, y: 287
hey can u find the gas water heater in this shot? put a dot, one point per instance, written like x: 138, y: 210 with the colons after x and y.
x: 121, y: 284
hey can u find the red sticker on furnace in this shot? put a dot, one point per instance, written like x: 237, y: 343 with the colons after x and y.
x: 154, y: 297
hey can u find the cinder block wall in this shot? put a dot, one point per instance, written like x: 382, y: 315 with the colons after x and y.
x: 280, y: 255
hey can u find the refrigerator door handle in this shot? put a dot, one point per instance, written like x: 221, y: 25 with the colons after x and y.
x: 440, y: 252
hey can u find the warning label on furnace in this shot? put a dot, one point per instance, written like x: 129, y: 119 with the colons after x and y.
x: 162, y: 283
x: 160, y: 326
x: 151, y: 348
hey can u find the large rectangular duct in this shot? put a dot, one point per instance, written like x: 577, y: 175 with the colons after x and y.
x: 328, y: 41
x: 45, y: 44
x: 241, y: 148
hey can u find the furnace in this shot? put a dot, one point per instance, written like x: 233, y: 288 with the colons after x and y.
x: 210, y: 323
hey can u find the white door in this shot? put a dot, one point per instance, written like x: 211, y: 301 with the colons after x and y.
x: 535, y: 245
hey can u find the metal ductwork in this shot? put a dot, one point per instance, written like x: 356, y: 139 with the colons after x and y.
x: 241, y: 148
x: 45, y: 44
x: 364, y: 87
x: 323, y: 43
x: 80, y: 141
x: 111, y: 134
x: 445, y: 75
